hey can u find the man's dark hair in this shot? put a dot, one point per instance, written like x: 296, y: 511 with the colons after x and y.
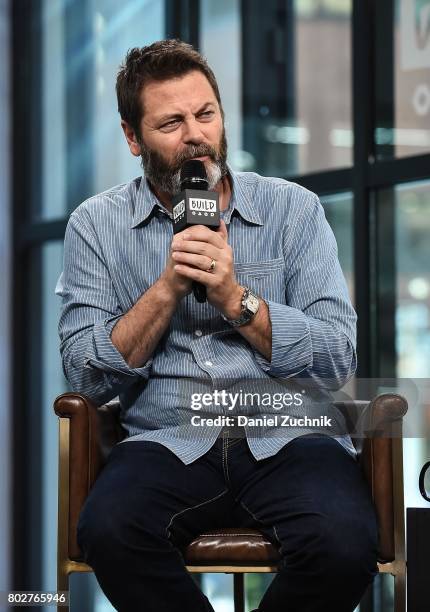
x: 163, y: 60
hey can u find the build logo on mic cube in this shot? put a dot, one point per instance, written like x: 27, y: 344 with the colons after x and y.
x: 195, y: 207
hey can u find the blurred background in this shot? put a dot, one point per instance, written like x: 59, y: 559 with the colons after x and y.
x: 332, y: 94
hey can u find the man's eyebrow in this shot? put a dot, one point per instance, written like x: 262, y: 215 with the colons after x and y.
x: 205, y: 106
x: 170, y: 116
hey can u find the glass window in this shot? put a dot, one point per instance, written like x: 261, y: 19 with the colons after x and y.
x: 296, y: 75
x: 412, y: 230
x: 47, y: 381
x: 412, y: 227
x: 322, y: 56
x: 412, y: 78
x: 410, y: 204
x: 86, y: 594
x: 220, y: 20
x: 338, y: 210
x: 53, y: 384
x: 83, y: 147
x: 404, y: 114
x: 256, y: 585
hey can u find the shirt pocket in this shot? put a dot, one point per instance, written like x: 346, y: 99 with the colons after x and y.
x: 266, y: 278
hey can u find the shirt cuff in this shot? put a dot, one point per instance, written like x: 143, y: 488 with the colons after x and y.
x: 103, y: 354
x: 291, y: 342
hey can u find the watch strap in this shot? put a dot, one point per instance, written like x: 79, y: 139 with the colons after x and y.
x: 246, y: 314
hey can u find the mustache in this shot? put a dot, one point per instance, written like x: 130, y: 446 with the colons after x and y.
x: 194, y: 151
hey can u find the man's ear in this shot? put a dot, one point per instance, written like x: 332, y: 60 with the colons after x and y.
x: 130, y: 136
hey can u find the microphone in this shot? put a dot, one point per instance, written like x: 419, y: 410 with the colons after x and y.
x: 195, y: 205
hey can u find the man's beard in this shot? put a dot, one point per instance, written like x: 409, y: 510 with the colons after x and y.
x: 166, y: 176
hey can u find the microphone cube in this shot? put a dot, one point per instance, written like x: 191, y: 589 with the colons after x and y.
x: 195, y: 207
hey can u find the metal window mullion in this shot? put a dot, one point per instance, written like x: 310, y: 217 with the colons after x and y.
x: 183, y: 20
x: 26, y: 190
x: 362, y: 80
x: 386, y: 171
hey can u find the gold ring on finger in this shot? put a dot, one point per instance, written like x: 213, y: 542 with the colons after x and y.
x: 212, y: 266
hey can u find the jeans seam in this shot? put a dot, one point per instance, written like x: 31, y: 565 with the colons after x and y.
x: 234, y: 441
x: 226, y: 464
x: 276, y: 535
x: 192, y: 508
x: 259, y: 521
x: 224, y: 459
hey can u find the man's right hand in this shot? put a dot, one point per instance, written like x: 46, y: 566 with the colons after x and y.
x: 138, y: 332
x: 179, y: 285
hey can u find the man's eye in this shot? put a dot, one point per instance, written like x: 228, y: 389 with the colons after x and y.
x: 206, y: 114
x: 170, y: 124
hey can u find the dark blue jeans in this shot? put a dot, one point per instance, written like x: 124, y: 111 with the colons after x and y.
x: 310, y: 499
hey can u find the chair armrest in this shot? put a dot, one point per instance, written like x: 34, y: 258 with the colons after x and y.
x: 87, y: 435
x: 380, y: 426
x: 374, y: 418
x: 376, y: 430
x: 383, y: 414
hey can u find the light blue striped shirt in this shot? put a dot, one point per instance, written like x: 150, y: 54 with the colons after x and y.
x: 116, y: 247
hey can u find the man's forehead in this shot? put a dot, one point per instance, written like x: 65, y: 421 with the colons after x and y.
x: 190, y: 90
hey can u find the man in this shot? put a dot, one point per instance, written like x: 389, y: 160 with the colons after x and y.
x: 277, y: 307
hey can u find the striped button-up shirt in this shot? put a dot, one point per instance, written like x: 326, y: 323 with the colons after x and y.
x: 116, y: 246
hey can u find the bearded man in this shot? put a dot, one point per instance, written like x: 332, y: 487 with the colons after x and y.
x: 131, y: 327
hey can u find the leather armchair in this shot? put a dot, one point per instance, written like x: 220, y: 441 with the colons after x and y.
x: 88, y: 433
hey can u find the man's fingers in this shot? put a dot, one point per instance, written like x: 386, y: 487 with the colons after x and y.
x: 222, y: 230
x: 200, y: 233
x: 199, y: 261
x: 197, y: 247
x: 207, y: 278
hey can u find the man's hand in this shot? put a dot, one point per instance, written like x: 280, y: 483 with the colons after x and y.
x: 193, y: 251
x: 176, y: 283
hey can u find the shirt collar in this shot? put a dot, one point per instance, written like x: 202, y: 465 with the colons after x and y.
x: 241, y: 201
x: 145, y: 202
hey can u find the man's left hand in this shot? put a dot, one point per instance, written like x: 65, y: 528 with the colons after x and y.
x: 194, y: 253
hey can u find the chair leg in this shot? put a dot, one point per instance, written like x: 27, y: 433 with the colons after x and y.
x: 62, y: 585
x: 238, y: 592
x: 400, y: 592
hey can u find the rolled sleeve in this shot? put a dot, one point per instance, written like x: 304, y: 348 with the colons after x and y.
x: 313, y: 334
x: 102, y: 353
x: 291, y: 342
x: 90, y: 310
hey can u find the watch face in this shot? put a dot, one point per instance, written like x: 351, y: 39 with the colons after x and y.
x: 252, y: 303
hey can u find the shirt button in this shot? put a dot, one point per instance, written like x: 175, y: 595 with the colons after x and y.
x: 198, y: 332
x: 208, y: 363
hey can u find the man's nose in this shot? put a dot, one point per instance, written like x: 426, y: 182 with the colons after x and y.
x: 192, y: 133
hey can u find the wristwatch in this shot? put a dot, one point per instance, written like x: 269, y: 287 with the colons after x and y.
x: 250, y: 306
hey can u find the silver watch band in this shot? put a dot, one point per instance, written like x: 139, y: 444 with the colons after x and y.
x: 250, y: 306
